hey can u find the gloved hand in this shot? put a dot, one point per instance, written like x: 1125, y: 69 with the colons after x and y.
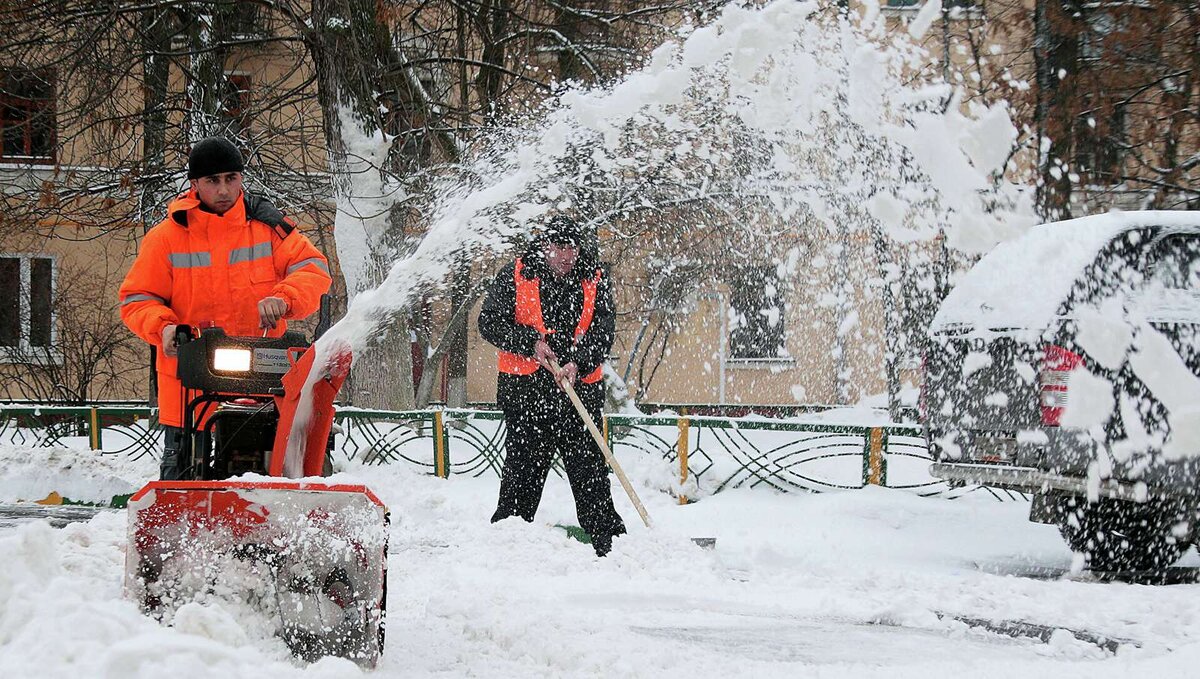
x: 567, y: 373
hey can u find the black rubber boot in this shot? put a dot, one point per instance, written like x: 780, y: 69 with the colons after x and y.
x: 602, y: 544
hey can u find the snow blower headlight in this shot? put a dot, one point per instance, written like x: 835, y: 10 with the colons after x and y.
x: 231, y: 360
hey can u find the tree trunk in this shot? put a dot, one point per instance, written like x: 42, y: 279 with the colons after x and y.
x: 383, y: 373
x: 157, y: 29
x: 456, y: 367
x: 206, y: 81
x: 352, y: 67
x: 460, y: 312
x: 893, y: 347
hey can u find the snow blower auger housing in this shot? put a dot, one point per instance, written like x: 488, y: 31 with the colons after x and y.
x: 308, y: 558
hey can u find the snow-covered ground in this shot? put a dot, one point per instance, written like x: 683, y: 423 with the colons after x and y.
x: 854, y: 584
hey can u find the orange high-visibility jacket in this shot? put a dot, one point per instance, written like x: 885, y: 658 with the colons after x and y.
x: 529, y: 313
x: 197, y: 267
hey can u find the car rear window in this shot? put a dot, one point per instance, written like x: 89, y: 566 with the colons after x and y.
x: 1176, y: 264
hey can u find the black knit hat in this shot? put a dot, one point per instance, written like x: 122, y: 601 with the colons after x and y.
x: 562, y: 230
x: 213, y: 155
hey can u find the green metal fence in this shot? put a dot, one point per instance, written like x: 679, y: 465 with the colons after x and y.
x: 109, y: 429
x: 712, y: 454
x: 708, y: 454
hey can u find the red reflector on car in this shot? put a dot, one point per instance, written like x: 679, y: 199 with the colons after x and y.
x: 1057, y: 363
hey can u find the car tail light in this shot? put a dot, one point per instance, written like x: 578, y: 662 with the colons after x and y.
x: 1057, y: 364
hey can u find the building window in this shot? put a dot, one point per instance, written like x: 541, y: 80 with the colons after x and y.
x: 27, y: 125
x: 1117, y: 32
x: 241, y: 20
x: 1177, y: 265
x: 1100, y: 27
x: 756, y: 315
x: 235, y: 103
x: 1100, y: 143
x: 26, y: 318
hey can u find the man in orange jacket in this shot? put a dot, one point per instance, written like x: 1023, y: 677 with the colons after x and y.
x: 221, y: 257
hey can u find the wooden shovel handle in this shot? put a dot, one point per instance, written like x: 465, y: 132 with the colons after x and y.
x: 599, y: 438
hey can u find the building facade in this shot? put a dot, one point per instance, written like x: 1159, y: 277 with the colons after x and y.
x: 95, y: 138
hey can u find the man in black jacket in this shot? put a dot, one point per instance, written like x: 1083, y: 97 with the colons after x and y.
x: 553, y: 302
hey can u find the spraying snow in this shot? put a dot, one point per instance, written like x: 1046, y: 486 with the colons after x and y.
x: 824, y: 101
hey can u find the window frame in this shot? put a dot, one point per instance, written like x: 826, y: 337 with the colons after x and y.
x: 733, y: 357
x: 237, y: 102
x: 956, y: 7
x: 1187, y: 248
x: 24, y: 352
x: 49, y: 107
x: 1159, y: 301
x: 246, y: 21
x: 1100, y: 153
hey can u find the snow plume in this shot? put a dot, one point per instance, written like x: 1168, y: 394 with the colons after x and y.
x: 798, y: 113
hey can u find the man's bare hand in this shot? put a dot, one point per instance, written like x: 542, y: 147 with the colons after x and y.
x: 566, y: 374
x: 270, y: 312
x: 543, y: 354
x: 168, y: 340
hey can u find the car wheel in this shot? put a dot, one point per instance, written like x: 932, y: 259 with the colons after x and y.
x: 1115, y: 535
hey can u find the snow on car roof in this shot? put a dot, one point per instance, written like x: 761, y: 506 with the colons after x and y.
x: 1021, y: 282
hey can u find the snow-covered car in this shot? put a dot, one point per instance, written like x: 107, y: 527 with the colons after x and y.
x: 1066, y: 364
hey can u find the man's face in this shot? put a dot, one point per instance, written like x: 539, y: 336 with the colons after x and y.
x: 218, y: 192
x: 561, y: 257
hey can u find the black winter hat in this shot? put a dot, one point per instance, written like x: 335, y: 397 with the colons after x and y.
x: 562, y: 230
x: 213, y: 155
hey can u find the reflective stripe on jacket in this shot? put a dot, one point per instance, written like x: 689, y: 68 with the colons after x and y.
x: 197, y: 267
x: 529, y: 313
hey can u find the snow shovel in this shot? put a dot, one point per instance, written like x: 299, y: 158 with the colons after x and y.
x: 599, y: 438
x: 706, y: 543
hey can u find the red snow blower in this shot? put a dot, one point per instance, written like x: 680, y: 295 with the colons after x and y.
x: 306, y: 557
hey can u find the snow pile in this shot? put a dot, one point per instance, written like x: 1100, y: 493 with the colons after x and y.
x: 29, y: 473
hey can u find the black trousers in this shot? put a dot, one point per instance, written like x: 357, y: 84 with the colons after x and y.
x: 535, y: 435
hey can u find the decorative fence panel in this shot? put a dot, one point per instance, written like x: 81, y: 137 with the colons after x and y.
x: 110, y: 430
x: 387, y: 437
x: 709, y: 454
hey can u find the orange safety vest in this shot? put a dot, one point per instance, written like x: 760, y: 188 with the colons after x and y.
x: 529, y: 313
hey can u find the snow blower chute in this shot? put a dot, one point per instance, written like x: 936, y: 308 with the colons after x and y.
x: 308, y: 558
